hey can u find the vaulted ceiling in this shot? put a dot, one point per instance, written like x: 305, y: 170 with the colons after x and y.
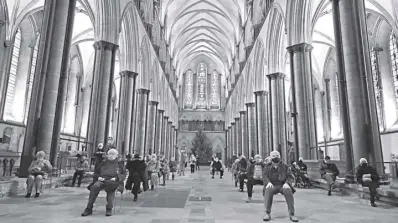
x: 203, y: 27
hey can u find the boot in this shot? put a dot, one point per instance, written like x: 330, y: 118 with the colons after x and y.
x: 28, y: 195
x: 135, y: 198
x: 152, y: 187
x: 293, y: 218
x: 266, y: 217
x: 330, y: 193
x: 37, y: 195
x: 108, y: 212
x: 87, y: 212
x: 172, y: 177
x: 249, y: 199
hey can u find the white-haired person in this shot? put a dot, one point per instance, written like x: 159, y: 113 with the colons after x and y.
x: 277, y: 178
x: 110, y: 176
x: 235, y: 172
x: 38, y: 170
x: 153, y: 167
x: 100, y: 155
x: 254, y: 175
x: 368, y: 177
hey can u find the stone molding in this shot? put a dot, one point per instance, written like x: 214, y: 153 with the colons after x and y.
x: 237, y: 119
x: 242, y: 112
x: 104, y: 45
x: 232, y: 123
x: 301, y: 47
x: 128, y: 73
x: 143, y: 91
x: 261, y: 93
x: 251, y: 105
x: 8, y: 43
x: 166, y: 117
x: 160, y: 110
x: 153, y: 103
x: 170, y: 122
x: 276, y: 75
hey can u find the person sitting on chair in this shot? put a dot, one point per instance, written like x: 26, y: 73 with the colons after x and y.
x: 278, y: 179
x: 136, y: 168
x: 242, y: 168
x: 329, y: 172
x: 217, y: 165
x: 153, y: 168
x: 368, y: 177
x: 254, y: 175
x: 38, y: 170
x: 100, y: 155
x: 303, y: 171
x: 235, y: 172
x: 81, y: 168
x: 110, y: 175
x: 163, y: 170
x: 173, y: 167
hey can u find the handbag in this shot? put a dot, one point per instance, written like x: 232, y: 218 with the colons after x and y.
x: 367, y: 178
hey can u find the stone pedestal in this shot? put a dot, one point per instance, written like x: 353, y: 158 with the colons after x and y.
x: 303, y: 100
x: 151, y: 127
x: 141, y: 121
x: 252, y: 129
x: 277, y: 114
x: 263, y: 129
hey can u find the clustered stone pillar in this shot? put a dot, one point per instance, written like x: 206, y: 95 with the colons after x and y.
x: 301, y: 76
x: 173, y: 141
x: 141, y: 121
x: 278, y: 117
x: 127, y: 86
x: 233, y: 139
x: 262, y: 123
x: 158, y: 136
x: 243, y: 127
x: 352, y: 49
x: 164, y: 135
x: 252, y: 129
x: 229, y: 146
x: 238, y: 137
x: 151, y: 127
x: 169, y: 138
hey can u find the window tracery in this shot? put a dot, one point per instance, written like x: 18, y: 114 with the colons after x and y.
x: 394, y: 62
x: 188, y: 89
x: 29, y: 83
x: 377, y: 84
x: 201, y: 102
x: 215, y: 94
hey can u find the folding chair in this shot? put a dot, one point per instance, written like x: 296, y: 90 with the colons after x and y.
x: 115, y: 201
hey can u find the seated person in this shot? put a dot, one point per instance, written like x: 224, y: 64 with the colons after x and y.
x: 278, y: 179
x: 38, y: 170
x: 242, y: 168
x: 110, y: 175
x: 329, y: 172
x: 235, y: 171
x: 153, y: 168
x: 137, y: 169
x: 164, y: 170
x: 301, y: 168
x: 368, y: 177
x: 100, y: 155
x: 173, y: 167
x: 217, y: 165
x: 80, y: 168
x: 254, y: 175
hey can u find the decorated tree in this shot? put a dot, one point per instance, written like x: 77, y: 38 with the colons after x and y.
x: 202, y: 146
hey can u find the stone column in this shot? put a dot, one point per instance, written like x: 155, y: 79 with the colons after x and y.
x: 233, y: 139
x: 151, y: 127
x: 173, y: 141
x: 244, y: 147
x: 53, y: 63
x: 170, y: 138
x: 252, y: 128
x: 164, y: 134
x: 352, y: 49
x: 301, y: 76
x: 263, y: 132
x: 141, y: 121
x: 5, y: 69
x: 238, y: 137
x: 278, y: 110
x: 127, y: 88
x: 158, y: 135
x: 229, y: 145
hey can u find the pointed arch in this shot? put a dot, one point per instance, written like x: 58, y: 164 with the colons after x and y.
x: 129, y: 41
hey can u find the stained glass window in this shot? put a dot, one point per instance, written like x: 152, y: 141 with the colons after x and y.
x: 12, y: 78
x: 188, y: 89
x: 394, y: 61
x: 31, y: 78
x: 201, y: 96
x: 215, y: 94
x: 377, y: 84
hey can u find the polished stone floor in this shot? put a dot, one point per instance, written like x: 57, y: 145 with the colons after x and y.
x: 192, y: 198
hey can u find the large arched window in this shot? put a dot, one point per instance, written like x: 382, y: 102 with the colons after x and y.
x: 394, y: 61
x: 29, y: 83
x: 377, y: 84
x: 12, y: 78
x: 188, y: 94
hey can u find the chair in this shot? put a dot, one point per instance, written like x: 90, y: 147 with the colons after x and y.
x: 115, y: 201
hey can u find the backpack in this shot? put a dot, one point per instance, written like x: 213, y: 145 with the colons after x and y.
x: 258, y: 172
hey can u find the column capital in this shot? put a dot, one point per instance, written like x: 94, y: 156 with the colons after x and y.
x: 173, y: 126
x: 322, y: 93
x: 242, y: 112
x: 170, y: 122
x: 160, y: 110
x: 2, y: 23
x: 104, y: 45
x: 143, y: 91
x: 251, y: 105
x: 261, y: 93
x: 229, y: 127
x: 237, y: 119
x: 301, y: 47
x: 8, y: 43
x: 129, y: 74
x: 153, y: 103
x: 327, y: 79
x: 276, y: 75
x: 232, y: 124
x: 166, y: 117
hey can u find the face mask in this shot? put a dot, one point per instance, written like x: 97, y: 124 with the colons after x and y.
x: 276, y: 160
x: 364, y: 164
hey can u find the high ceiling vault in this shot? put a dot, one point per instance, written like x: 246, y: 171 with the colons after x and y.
x: 202, y: 27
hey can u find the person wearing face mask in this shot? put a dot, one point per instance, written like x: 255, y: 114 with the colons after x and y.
x: 80, y: 168
x: 254, y: 175
x: 277, y: 178
x: 38, y: 170
x: 302, y: 171
x: 100, y: 156
x: 173, y: 167
x: 242, y: 168
x: 217, y: 165
x: 329, y: 172
x: 111, y: 175
x: 368, y: 177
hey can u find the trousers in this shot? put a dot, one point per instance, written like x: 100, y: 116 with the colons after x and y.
x: 250, y: 183
x: 36, y: 181
x: 95, y: 189
x: 269, y: 196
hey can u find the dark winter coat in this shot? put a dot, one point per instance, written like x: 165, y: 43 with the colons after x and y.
x: 137, y: 172
x: 285, y: 176
x: 362, y: 170
x: 242, y: 166
x: 329, y: 168
x: 250, y: 168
